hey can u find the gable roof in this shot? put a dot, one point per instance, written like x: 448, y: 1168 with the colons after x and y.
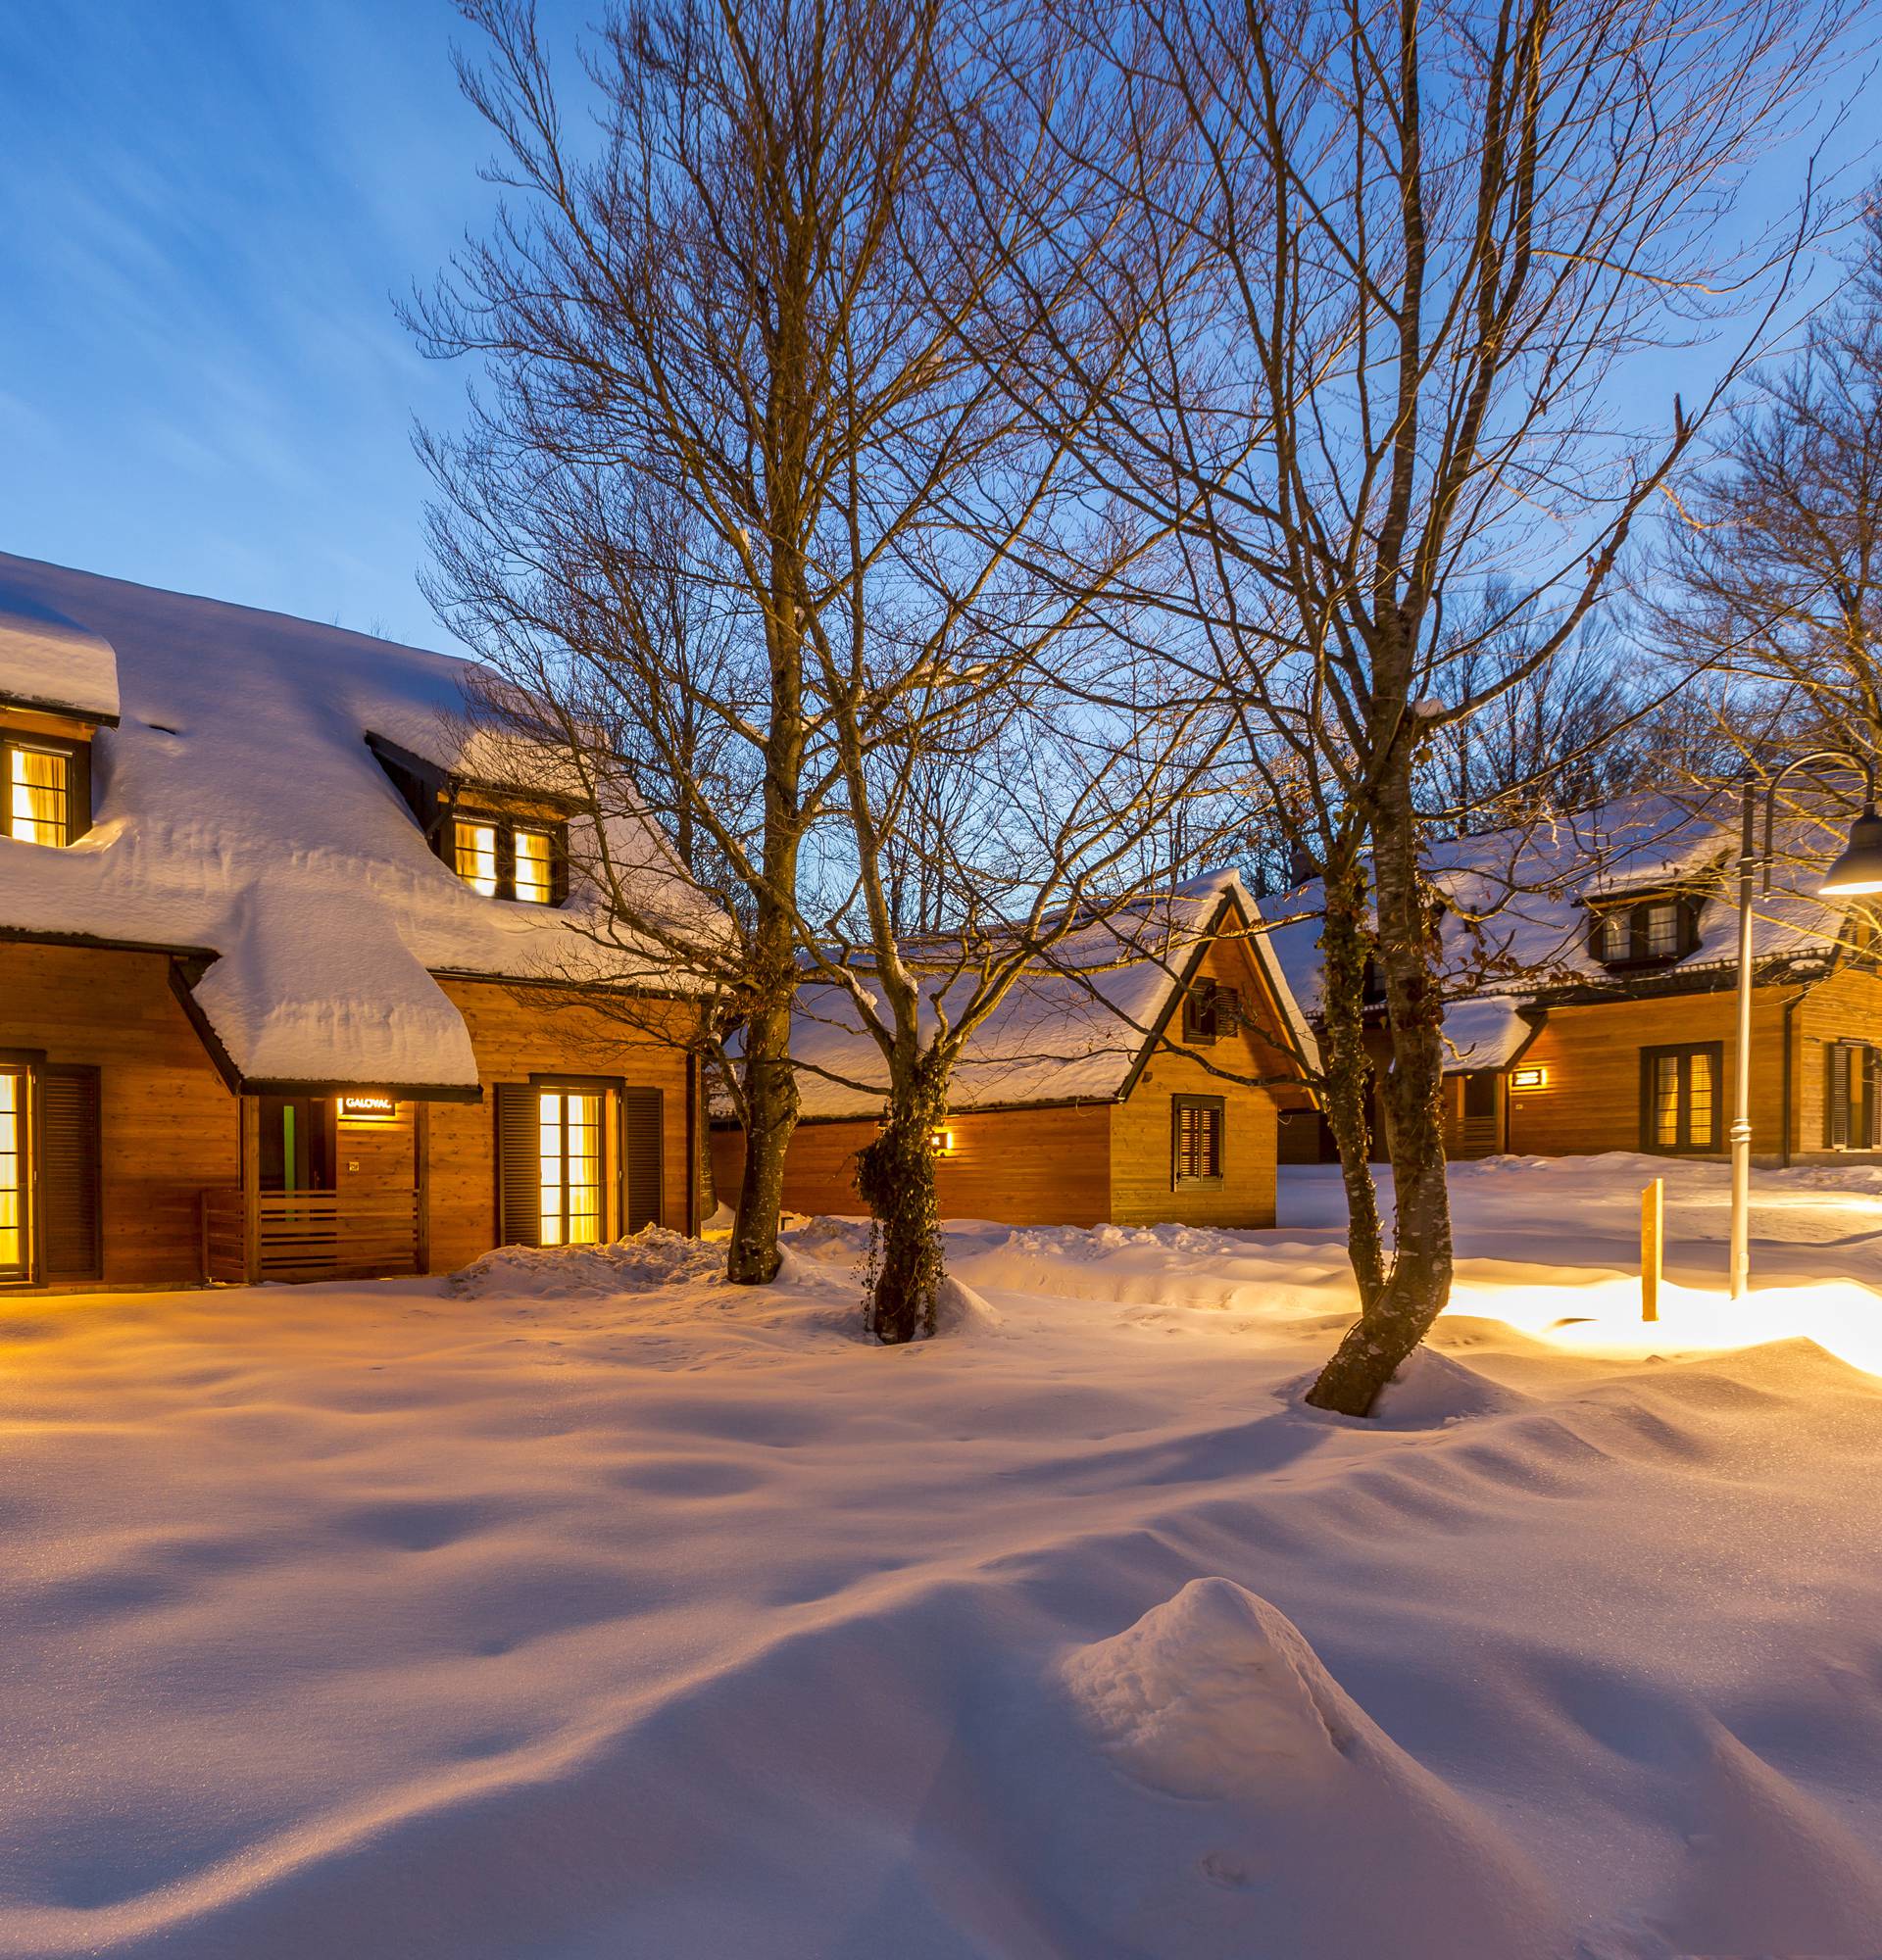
x: 1535, y: 888
x: 240, y: 814
x: 1075, y: 1031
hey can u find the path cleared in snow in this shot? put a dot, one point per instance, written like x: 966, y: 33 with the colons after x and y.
x: 590, y: 1607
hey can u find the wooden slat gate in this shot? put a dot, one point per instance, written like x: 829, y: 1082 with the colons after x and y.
x: 311, y: 1235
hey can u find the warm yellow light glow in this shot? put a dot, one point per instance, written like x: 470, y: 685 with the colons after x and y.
x: 477, y: 857
x: 532, y: 867
x: 37, y: 796
x: 569, y: 1139
x: 369, y: 1108
x: 943, y: 1142
x: 1602, y: 1317
x: 12, y: 1160
x: 1528, y: 1078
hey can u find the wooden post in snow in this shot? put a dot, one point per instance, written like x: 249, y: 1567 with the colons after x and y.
x: 1652, y: 1204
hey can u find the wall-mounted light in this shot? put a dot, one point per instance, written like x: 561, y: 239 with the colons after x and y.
x: 1528, y: 1078
x: 943, y: 1142
x: 369, y: 1108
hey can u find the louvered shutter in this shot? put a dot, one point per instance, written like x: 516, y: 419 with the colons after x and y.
x: 69, y: 1178
x: 1836, y: 1098
x: 642, y: 1112
x: 519, y: 1165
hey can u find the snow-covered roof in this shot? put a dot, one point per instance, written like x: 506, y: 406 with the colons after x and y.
x: 239, y: 812
x: 1525, y: 898
x: 50, y: 663
x: 1488, y: 1032
x: 1072, y: 1030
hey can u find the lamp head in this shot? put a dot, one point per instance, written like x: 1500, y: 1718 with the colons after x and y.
x: 1860, y: 868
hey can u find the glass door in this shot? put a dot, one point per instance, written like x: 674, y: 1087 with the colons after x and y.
x: 570, y: 1153
x: 16, y: 1208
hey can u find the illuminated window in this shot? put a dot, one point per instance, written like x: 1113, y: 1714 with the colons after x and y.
x: 1614, y: 935
x: 568, y: 1151
x: 1662, y: 931
x: 535, y: 866
x: 1196, y: 1139
x: 1680, y: 1096
x: 477, y: 857
x: 506, y: 860
x: 13, y: 1174
x: 38, y: 795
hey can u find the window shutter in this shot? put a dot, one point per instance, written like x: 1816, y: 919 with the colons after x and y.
x: 1836, y: 1096
x: 1866, y: 1129
x: 642, y: 1112
x: 519, y: 1165
x: 69, y: 1158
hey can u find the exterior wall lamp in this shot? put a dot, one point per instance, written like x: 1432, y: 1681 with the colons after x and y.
x: 1859, y: 870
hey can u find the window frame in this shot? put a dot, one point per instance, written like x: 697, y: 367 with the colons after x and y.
x: 1217, y: 1107
x: 506, y: 824
x: 1685, y: 1145
x: 24, y: 1068
x: 77, y: 754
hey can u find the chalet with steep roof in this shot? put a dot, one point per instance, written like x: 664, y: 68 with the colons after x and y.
x: 291, y: 986
x: 1591, y: 967
x: 1137, y: 1080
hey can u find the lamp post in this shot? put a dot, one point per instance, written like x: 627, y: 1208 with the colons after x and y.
x: 1858, y: 870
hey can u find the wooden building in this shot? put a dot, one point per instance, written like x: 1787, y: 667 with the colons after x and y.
x: 1593, y: 992
x: 287, y: 990
x: 1131, y: 1091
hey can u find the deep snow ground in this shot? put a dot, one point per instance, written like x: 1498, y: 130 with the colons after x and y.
x: 592, y: 1608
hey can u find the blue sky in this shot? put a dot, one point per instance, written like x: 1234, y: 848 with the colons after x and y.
x: 205, y: 213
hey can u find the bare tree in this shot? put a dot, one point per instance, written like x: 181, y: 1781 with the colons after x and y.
x: 1773, y: 574
x: 1439, y: 234
x: 719, y: 389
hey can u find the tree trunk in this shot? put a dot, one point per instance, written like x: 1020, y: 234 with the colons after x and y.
x: 1419, y: 1281
x: 1345, y: 941
x: 895, y: 1175
x: 770, y: 1116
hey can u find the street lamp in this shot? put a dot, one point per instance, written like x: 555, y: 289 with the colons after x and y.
x: 1856, y: 871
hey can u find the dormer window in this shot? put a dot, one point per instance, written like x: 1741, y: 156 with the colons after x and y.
x: 510, y: 860
x: 1651, y: 932
x: 46, y: 789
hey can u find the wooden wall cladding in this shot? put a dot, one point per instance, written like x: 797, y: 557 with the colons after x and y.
x: 168, y: 1127
x: 521, y: 1031
x: 1847, y: 1005
x: 1590, y: 1055
x: 1014, y: 1166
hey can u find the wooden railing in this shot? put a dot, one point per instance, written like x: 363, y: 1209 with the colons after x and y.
x: 310, y: 1234
x: 1479, y: 1135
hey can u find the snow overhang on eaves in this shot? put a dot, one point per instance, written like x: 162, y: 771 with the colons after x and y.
x: 321, y: 995
x: 50, y: 665
x: 1487, y: 1033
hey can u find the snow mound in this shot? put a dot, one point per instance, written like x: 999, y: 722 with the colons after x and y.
x: 1772, y: 1870
x: 1431, y: 1390
x: 652, y: 1258
x: 1216, y: 1699
x: 959, y: 1309
x: 1212, y: 1695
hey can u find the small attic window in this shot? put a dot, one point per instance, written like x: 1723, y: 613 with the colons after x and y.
x: 1210, y: 1012
x: 506, y: 860
x: 46, y: 789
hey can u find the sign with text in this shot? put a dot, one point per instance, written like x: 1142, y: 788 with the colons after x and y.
x: 369, y: 1108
